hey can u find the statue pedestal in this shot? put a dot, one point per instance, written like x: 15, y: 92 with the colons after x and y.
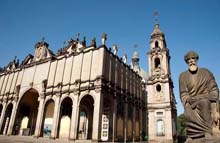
x: 211, y: 139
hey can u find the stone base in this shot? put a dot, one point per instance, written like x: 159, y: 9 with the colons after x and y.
x: 204, y: 140
x: 213, y: 140
x: 160, y: 141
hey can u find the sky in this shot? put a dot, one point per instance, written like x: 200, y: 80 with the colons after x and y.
x: 187, y: 24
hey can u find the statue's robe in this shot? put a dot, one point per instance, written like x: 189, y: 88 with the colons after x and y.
x: 202, y: 89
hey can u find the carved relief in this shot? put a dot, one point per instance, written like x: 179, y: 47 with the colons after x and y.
x: 42, y: 51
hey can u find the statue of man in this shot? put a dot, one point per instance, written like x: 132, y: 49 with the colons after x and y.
x: 199, y: 96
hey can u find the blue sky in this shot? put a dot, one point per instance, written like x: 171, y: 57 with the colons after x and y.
x: 187, y: 24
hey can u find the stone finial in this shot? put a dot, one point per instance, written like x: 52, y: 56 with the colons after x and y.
x: 77, y: 36
x: 104, y: 38
x: 70, y: 41
x: 115, y: 49
x: 94, y: 42
x: 84, y: 41
x: 124, y: 58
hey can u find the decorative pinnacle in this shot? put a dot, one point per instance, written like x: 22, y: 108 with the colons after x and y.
x: 43, y: 39
x: 64, y: 43
x: 104, y: 38
x: 77, y: 36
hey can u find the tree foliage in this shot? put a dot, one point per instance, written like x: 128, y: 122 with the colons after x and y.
x: 180, y: 125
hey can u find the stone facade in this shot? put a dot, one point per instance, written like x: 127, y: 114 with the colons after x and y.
x: 89, y: 93
x: 82, y: 92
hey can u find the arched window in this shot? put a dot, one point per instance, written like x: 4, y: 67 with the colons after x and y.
x: 160, y: 128
x: 157, y: 63
x: 156, y: 44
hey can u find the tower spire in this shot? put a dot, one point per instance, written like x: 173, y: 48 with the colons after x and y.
x: 161, y: 99
x: 156, y: 25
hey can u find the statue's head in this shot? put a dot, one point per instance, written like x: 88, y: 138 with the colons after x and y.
x: 191, y: 59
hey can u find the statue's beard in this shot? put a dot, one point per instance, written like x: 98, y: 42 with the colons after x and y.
x: 193, y: 68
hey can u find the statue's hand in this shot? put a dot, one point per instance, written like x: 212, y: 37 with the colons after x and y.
x: 215, y: 118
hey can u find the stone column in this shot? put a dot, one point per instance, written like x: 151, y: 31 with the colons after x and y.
x: 97, y: 114
x: 125, y: 118
x: 74, y: 117
x: 12, y: 118
x: 140, y: 123
x: 2, y: 114
x: 56, y: 117
x: 133, y: 122
x: 40, y: 115
x: 114, y: 120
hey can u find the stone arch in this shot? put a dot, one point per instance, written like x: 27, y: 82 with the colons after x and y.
x: 6, y: 119
x: 47, y: 100
x: 65, y: 117
x: 66, y: 96
x: 157, y: 63
x: 23, y: 91
x: 26, y: 115
x: 48, y: 116
x: 83, y: 95
x: 156, y: 44
x: 85, y: 118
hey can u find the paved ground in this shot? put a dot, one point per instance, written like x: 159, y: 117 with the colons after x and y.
x: 23, y: 139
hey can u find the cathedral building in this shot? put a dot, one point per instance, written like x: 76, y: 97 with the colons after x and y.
x: 88, y: 93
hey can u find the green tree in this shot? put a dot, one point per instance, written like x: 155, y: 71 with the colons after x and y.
x: 180, y: 125
x: 181, y: 129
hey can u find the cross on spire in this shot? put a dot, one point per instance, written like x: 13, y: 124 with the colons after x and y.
x: 43, y: 39
x: 135, y: 46
x: 156, y: 16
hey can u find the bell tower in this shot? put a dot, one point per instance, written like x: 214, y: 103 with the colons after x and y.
x: 162, y: 115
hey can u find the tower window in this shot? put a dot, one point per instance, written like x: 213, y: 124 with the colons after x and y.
x: 157, y: 62
x: 160, y: 128
x: 158, y: 88
x: 156, y: 44
x: 159, y: 113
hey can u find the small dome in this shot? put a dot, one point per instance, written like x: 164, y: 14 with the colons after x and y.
x: 157, y: 30
x: 135, y: 55
x: 143, y: 74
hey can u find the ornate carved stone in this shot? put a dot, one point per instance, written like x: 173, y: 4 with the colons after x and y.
x: 5, y: 99
x: 42, y: 51
x: 15, y: 98
x: 104, y: 38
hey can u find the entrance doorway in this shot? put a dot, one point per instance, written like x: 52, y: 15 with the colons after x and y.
x: 48, y: 119
x: 26, y: 115
x: 65, y: 118
x: 7, y: 118
x: 85, y: 121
